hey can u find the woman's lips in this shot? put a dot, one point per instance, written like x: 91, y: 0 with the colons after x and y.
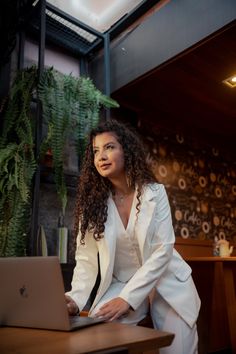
x: 105, y: 166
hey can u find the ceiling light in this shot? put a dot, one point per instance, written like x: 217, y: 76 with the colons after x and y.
x: 231, y: 81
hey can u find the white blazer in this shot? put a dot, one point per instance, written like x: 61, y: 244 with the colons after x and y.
x: 162, y: 266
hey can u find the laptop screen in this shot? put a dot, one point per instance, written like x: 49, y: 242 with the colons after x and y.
x: 32, y: 293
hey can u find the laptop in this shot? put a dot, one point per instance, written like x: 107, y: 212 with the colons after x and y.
x: 32, y: 295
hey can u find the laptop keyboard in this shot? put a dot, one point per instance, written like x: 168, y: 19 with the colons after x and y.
x: 81, y: 321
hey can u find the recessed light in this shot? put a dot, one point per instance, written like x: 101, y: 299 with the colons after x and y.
x: 231, y: 81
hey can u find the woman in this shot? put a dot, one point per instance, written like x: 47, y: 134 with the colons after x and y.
x: 123, y: 216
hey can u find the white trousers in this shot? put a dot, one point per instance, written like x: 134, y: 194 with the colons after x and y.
x: 186, y: 338
x: 133, y: 317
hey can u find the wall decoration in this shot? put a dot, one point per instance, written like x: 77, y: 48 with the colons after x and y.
x: 201, y: 185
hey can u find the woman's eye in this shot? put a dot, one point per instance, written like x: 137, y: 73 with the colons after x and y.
x: 110, y: 147
x: 95, y: 152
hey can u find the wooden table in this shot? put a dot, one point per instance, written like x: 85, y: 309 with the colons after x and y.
x: 94, y: 339
x: 215, y: 278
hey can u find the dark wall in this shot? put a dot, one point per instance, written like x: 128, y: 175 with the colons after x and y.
x: 201, y: 184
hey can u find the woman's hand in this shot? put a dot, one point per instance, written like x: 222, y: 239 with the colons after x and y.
x: 71, y: 305
x: 113, y: 309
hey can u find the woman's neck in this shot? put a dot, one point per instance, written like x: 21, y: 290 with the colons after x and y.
x: 122, y: 194
x: 121, y: 187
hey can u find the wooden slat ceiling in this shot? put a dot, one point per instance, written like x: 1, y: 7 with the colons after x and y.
x: 187, y: 93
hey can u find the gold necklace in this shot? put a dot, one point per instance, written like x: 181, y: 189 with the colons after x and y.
x: 120, y: 198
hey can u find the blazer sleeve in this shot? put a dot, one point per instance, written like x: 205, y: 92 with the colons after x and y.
x: 158, y: 252
x: 85, y: 271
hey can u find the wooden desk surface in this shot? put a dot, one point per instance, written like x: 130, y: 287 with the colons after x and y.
x: 92, y: 339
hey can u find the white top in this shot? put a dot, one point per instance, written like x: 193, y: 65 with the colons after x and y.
x: 128, y: 257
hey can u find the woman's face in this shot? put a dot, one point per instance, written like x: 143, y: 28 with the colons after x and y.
x: 108, y: 156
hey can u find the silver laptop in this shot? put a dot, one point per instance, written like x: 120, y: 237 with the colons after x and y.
x: 32, y: 295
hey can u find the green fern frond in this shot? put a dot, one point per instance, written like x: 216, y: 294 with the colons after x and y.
x: 17, y: 165
x: 70, y: 105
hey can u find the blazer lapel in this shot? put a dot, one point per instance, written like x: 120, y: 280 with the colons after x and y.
x: 106, y: 247
x: 145, y: 216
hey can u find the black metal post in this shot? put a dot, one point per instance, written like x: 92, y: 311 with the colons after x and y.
x: 38, y: 135
x: 21, y: 50
x: 83, y: 66
x: 107, y: 70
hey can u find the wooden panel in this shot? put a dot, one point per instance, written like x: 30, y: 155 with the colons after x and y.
x: 212, y: 322
x: 213, y: 328
x: 196, y: 248
x: 191, y: 248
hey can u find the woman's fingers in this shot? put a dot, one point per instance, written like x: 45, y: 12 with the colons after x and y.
x: 72, y: 308
x: 113, y: 309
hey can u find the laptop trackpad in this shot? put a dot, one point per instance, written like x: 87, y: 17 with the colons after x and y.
x: 81, y: 321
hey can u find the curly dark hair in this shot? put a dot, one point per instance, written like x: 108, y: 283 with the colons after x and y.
x: 94, y: 190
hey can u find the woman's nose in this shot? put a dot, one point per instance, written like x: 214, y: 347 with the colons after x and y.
x: 102, y: 156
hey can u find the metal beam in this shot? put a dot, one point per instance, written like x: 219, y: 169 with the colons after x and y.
x: 107, y: 70
x: 131, y: 17
x: 35, y: 208
x: 73, y: 20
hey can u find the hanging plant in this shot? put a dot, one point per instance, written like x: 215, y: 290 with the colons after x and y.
x: 17, y: 166
x: 70, y: 106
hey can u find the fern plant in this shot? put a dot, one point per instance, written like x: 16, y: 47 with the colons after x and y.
x: 17, y: 166
x: 70, y: 106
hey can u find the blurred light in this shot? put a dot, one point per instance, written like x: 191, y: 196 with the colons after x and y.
x: 231, y: 81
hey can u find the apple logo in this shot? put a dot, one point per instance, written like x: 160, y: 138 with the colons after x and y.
x: 23, y: 291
